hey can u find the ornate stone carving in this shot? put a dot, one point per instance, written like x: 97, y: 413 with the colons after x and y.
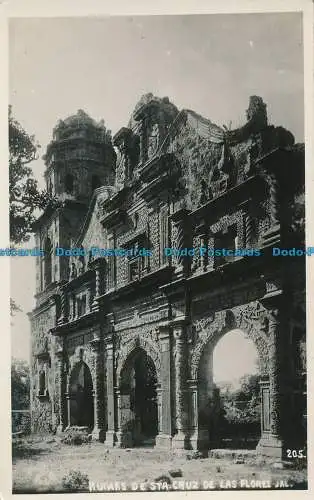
x: 153, y: 141
x: 246, y: 317
x: 132, y: 341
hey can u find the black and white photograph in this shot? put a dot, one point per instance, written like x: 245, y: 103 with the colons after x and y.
x: 158, y: 252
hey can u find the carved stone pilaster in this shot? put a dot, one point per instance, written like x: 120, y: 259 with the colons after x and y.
x: 181, y: 240
x: 271, y: 442
x: 164, y: 437
x: 122, y: 140
x: 200, y: 259
x: 59, y: 353
x: 272, y: 235
x: 274, y: 370
x: 159, y: 407
x: 249, y: 231
x: 98, y: 393
x: 273, y: 200
x: 111, y: 414
x: 63, y: 308
x: 74, y: 306
x: 88, y: 299
x: 192, y: 386
x: 180, y: 364
x: 99, y: 266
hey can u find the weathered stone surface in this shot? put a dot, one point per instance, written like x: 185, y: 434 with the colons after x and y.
x: 177, y: 180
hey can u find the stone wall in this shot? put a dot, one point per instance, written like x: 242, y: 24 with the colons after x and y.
x: 42, y: 406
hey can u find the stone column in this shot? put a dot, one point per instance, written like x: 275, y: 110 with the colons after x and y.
x: 68, y: 403
x: 111, y: 433
x: 249, y: 231
x: 124, y: 438
x: 74, y: 306
x: 99, y: 282
x: 180, y: 241
x: 274, y: 371
x: 59, y: 353
x: 164, y: 437
x: 200, y: 260
x: 203, y: 258
x: 88, y: 299
x: 63, y: 306
x: 99, y: 393
x: 180, y: 362
x: 271, y: 442
x: 193, y: 414
x: 272, y: 235
x: 159, y: 403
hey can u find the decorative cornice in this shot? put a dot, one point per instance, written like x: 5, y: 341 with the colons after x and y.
x: 164, y: 273
x: 123, y: 134
x: 88, y: 319
x: 114, y: 217
x: 79, y: 280
x: 234, y: 196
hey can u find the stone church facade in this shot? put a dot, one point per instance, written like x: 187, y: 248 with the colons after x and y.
x: 123, y: 346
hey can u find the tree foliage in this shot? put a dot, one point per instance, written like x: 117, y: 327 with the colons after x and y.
x: 20, y: 384
x: 24, y: 195
x: 242, y: 406
x: 249, y: 388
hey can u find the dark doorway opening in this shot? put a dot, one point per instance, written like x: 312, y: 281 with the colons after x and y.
x: 139, y: 411
x: 81, y: 397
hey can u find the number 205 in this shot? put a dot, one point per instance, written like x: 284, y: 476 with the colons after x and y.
x: 295, y: 454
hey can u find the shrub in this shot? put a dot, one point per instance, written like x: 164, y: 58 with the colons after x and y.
x: 75, y: 480
x: 75, y: 436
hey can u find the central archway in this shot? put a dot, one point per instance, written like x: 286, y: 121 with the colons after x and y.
x: 81, y: 407
x: 229, y: 393
x: 138, y: 406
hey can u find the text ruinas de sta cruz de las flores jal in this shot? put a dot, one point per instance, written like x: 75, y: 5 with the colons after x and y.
x: 201, y: 251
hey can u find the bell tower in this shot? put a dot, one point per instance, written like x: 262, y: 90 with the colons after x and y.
x: 79, y: 159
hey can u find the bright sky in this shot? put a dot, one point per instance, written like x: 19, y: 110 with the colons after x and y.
x: 208, y: 63
x: 243, y: 363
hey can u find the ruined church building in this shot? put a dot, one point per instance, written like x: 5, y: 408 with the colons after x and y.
x: 123, y: 346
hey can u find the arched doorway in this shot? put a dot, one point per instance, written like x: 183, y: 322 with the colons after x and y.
x: 229, y: 393
x: 138, y: 408
x: 81, y: 405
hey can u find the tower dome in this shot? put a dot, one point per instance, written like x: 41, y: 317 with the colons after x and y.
x: 80, y: 157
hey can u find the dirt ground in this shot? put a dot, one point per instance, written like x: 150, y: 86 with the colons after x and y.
x: 40, y: 465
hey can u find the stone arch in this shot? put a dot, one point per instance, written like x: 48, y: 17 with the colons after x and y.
x: 252, y: 321
x: 85, y: 354
x: 80, y: 395
x: 126, y: 351
x: 137, y: 397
